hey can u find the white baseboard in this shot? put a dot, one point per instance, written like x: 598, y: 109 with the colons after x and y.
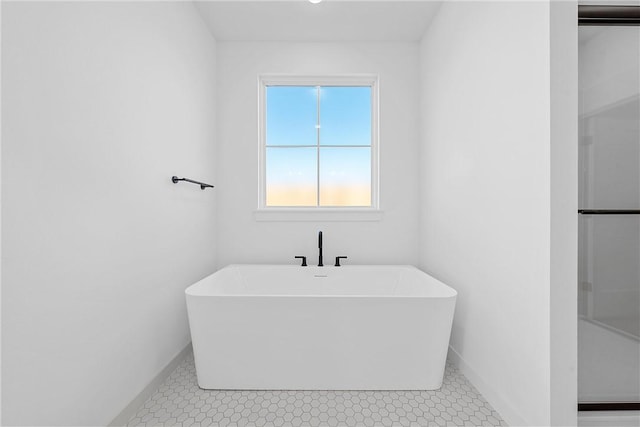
x: 504, y: 408
x: 131, y: 409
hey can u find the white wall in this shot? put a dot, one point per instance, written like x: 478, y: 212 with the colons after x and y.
x: 242, y: 239
x: 564, y: 204
x: 486, y: 199
x: 1, y: 7
x: 102, y: 104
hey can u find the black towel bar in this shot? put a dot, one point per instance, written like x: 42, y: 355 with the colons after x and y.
x: 202, y: 185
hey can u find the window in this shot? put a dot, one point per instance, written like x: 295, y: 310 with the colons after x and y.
x: 318, y: 143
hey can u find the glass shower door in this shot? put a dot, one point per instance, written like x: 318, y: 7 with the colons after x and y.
x: 609, y: 233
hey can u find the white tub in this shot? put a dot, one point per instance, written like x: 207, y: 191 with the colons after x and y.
x: 274, y: 327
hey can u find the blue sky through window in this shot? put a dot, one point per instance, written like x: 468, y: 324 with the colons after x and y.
x: 292, y: 115
x: 345, y: 116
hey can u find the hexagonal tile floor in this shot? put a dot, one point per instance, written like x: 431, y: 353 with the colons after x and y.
x: 180, y: 402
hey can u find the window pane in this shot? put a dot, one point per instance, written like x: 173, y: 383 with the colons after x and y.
x: 345, y: 176
x: 291, y: 177
x: 292, y: 115
x: 345, y: 115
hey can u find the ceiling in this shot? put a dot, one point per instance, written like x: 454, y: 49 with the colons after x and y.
x: 329, y: 21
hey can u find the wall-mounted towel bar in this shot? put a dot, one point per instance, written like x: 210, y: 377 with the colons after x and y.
x: 202, y: 185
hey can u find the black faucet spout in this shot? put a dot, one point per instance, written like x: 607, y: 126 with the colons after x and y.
x: 320, y: 264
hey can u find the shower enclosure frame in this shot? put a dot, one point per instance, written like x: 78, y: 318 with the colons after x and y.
x: 592, y: 15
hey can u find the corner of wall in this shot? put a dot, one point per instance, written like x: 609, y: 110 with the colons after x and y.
x: 564, y: 205
x: 497, y: 399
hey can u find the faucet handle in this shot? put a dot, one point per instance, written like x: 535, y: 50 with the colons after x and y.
x: 338, y: 258
x: 304, y: 260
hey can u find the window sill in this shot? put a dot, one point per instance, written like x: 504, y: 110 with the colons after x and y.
x: 315, y: 214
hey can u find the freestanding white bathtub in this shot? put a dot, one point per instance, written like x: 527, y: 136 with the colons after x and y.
x: 277, y: 327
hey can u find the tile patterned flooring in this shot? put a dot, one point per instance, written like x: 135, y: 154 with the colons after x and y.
x: 180, y: 402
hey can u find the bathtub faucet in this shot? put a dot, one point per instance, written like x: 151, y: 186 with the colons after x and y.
x: 320, y: 264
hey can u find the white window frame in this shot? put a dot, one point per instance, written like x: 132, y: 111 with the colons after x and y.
x: 314, y: 213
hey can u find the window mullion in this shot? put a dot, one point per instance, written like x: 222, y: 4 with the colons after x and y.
x: 318, y: 148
